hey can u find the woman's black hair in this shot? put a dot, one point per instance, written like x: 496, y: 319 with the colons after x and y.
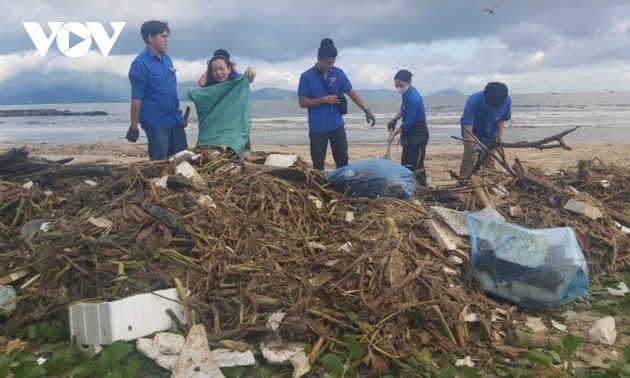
x: 403, y: 75
x: 210, y: 80
x: 327, y: 49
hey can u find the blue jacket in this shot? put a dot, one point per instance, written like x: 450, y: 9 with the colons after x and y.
x: 484, y: 119
x: 154, y: 82
x: 412, y: 109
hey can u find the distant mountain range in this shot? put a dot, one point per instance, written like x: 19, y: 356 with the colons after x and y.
x: 56, y: 88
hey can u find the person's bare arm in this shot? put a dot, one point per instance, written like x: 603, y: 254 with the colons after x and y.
x: 500, y: 128
x: 306, y: 102
x: 135, y: 113
x: 203, y: 80
x: 356, y: 98
x: 468, y: 132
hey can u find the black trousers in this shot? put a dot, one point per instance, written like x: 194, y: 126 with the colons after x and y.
x: 338, y: 145
x: 413, y: 158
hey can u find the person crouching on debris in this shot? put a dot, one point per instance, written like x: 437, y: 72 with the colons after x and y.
x: 484, y: 116
x: 414, y: 133
x: 154, y: 99
x: 221, y: 69
x: 321, y: 91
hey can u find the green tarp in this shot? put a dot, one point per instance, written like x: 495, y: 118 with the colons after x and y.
x: 224, y: 114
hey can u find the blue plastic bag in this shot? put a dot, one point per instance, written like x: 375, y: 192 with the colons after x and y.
x: 374, y: 178
x: 532, y: 268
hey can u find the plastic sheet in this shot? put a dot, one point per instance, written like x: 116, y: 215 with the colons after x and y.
x: 532, y: 268
x: 374, y: 178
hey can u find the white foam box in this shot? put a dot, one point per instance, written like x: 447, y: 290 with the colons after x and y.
x: 281, y: 160
x: 126, y: 319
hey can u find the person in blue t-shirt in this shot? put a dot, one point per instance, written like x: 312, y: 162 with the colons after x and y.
x: 321, y: 92
x: 414, y: 133
x: 154, y: 99
x: 484, y: 116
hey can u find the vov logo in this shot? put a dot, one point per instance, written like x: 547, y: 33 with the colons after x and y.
x: 61, y: 32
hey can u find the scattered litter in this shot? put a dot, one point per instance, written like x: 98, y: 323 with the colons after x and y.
x: 456, y: 220
x: 196, y: 359
x: 620, y: 291
x: 281, y: 160
x: 471, y: 317
x: 535, y: 324
x: 604, y: 183
x: 583, y: 208
x: 161, y: 182
x: 207, y: 201
x: 349, y: 216
x: 623, y: 228
x: 346, y: 247
x: 185, y: 169
x: 125, y: 319
x: 168, y: 343
x: 229, y: 357
x: 466, y: 361
x: 559, y: 326
x: 318, y: 246
x: 445, y: 237
x: 274, y: 320
x: 36, y: 224
x: 516, y: 211
x: 8, y: 296
x: 90, y: 182
x: 287, y: 353
x: 28, y: 184
x: 101, y: 222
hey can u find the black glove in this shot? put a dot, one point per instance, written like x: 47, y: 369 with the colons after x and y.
x: 369, y: 116
x: 133, y: 134
x: 391, y: 125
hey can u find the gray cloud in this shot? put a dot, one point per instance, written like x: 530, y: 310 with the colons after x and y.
x: 564, y: 33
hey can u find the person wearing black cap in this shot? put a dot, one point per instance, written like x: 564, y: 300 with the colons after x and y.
x: 219, y: 56
x: 414, y: 133
x: 321, y: 91
x: 484, y: 116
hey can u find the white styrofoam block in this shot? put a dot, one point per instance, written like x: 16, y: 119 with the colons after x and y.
x: 185, y: 169
x: 445, y: 237
x: 168, y: 343
x: 145, y: 346
x: 126, y: 319
x: 229, y: 357
x: 583, y: 208
x: 166, y: 361
x: 281, y: 160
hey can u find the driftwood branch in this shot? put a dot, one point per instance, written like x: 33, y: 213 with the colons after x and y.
x: 542, y: 144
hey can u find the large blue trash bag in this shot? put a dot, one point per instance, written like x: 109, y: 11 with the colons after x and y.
x: 374, y: 178
x: 534, y: 268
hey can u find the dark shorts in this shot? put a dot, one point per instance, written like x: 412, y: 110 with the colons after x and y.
x: 164, y: 143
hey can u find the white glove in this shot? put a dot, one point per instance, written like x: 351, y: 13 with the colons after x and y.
x: 251, y: 74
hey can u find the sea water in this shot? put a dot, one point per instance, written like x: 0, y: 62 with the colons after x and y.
x: 601, y: 117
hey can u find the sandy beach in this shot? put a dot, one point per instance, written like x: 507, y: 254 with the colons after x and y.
x: 440, y: 157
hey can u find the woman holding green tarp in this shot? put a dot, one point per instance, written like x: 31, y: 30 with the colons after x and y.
x: 223, y: 106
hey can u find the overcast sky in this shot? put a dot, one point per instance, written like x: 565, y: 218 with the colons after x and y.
x: 533, y: 46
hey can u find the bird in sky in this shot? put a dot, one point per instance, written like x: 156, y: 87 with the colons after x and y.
x: 489, y: 10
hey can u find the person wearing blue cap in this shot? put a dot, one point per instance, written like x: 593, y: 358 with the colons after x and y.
x: 484, y: 116
x: 414, y: 133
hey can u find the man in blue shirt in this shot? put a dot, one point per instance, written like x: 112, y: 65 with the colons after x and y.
x: 484, y: 116
x: 319, y: 92
x: 154, y: 100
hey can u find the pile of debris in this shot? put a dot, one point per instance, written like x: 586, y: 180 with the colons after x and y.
x: 244, y: 242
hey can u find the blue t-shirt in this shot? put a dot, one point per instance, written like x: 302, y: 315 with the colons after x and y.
x: 484, y: 119
x: 412, y: 109
x: 154, y: 82
x: 323, y: 117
